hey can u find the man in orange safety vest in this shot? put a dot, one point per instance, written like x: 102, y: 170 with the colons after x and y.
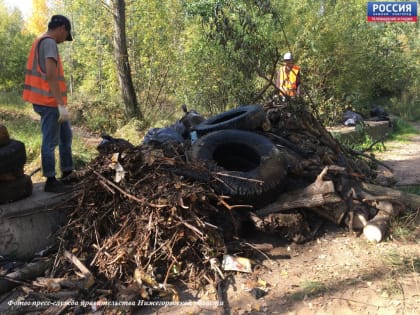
x: 46, y: 89
x: 288, y: 78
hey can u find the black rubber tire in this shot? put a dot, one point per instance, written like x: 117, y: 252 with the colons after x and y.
x: 252, y: 163
x: 11, y: 175
x: 17, y: 189
x: 249, y: 117
x: 12, y: 156
x: 4, y: 136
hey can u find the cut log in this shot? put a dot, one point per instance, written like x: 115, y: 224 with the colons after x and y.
x: 386, y: 206
x: 390, y: 203
x: 377, y: 228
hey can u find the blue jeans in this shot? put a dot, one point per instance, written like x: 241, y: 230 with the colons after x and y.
x: 54, y: 134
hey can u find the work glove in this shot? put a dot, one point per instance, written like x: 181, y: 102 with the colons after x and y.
x: 63, y: 113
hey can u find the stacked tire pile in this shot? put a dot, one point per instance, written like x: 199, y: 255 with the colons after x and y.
x: 14, y: 184
x: 249, y: 165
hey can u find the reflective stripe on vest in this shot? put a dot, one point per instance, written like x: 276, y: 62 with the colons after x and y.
x: 36, y: 89
x: 287, y: 82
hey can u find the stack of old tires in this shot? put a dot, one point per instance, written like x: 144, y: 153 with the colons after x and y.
x: 14, y: 184
x: 248, y: 165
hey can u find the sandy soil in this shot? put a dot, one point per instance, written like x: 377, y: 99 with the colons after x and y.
x: 335, y: 274
x: 404, y: 159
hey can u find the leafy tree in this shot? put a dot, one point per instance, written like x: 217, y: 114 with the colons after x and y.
x: 215, y: 54
x: 89, y: 61
x: 14, y: 50
x: 36, y: 23
x: 346, y: 61
x: 122, y: 61
x: 90, y: 58
x: 156, y: 46
x: 239, y: 43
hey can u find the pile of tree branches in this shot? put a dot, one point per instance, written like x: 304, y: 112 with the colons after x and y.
x: 145, y: 218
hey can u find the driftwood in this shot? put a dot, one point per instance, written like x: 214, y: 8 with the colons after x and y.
x: 86, y: 274
x: 55, y: 284
x: 316, y: 194
x: 287, y: 202
x: 336, y: 201
x: 28, y: 272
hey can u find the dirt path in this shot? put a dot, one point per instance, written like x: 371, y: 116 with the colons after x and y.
x: 404, y: 159
x: 334, y: 274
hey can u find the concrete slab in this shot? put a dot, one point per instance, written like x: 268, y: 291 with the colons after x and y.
x: 375, y: 129
x: 27, y: 224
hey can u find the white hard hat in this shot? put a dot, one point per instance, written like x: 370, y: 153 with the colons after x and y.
x: 288, y: 56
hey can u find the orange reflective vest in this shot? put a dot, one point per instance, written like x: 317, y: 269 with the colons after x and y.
x: 36, y: 89
x: 287, y: 82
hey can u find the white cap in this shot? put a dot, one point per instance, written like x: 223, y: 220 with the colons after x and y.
x: 288, y: 56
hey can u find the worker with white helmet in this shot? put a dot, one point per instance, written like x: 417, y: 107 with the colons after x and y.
x: 288, y: 77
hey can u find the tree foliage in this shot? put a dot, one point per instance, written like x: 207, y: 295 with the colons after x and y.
x: 37, y: 22
x: 349, y: 62
x: 14, y: 49
x: 242, y: 38
x: 215, y: 54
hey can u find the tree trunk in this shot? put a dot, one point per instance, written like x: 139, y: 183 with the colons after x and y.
x: 316, y: 194
x: 370, y: 192
x: 123, y: 65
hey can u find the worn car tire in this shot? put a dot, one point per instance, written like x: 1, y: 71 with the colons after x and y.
x: 4, y: 136
x: 17, y: 189
x: 12, y: 156
x: 249, y: 117
x: 248, y: 164
x: 11, y: 175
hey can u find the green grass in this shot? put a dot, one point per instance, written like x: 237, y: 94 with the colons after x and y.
x: 401, y: 263
x: 412, y: 189
x: 11, y: 99
x: 398, y: 265
x: 403, y: 131
x: 23, y: 124
x: 362, y: 145
x: 405, y: 227
x: 23, y: 128
x: 309, y: 289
